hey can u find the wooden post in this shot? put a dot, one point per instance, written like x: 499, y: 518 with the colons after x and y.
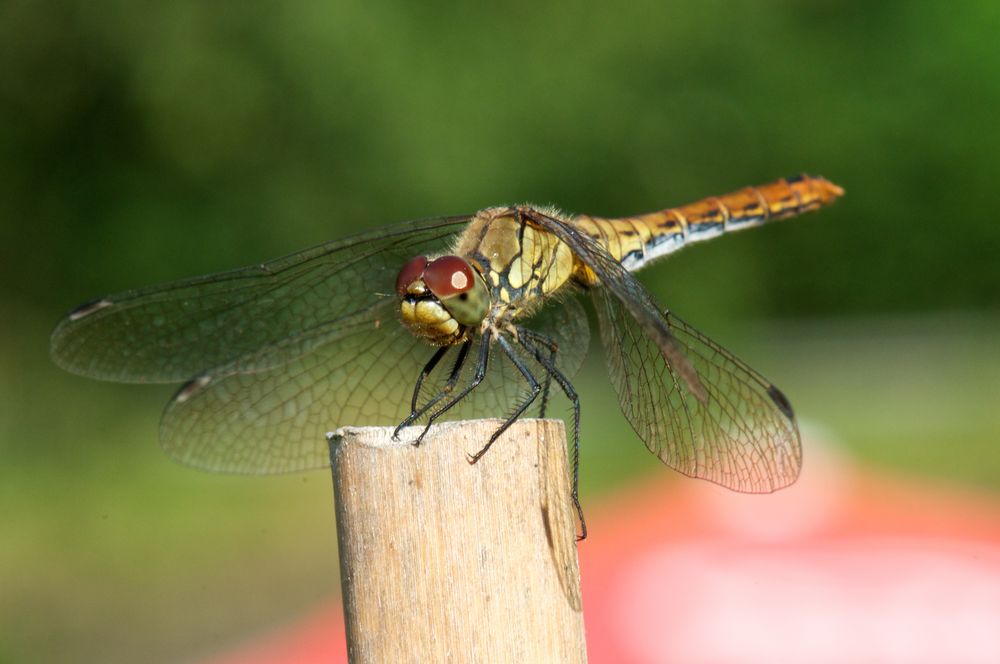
x: 443, y: 561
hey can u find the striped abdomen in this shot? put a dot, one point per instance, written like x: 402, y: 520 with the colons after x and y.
x: 636, y: 241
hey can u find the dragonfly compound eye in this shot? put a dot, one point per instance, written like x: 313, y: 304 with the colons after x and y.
x: 459, y: 288
x: 412, y: 271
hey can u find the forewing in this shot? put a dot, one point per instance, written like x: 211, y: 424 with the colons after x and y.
x: 171, y: 332
x: 742, y: 435
x: 269, y: 410
x: 357, y: 370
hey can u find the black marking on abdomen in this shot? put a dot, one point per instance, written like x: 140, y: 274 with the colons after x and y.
x: 660, y: 239
x: 636, y: 255
x: 706, y: 227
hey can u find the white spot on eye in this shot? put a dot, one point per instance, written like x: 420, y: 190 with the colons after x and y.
x: 459, y: 280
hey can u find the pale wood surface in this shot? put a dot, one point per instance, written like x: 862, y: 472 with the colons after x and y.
x: 443, y: 561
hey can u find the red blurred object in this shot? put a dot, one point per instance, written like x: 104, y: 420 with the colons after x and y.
x: 841, y: 567
x: 318, y: 637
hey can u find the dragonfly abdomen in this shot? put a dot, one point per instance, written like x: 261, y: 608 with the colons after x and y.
x: 635, y: 241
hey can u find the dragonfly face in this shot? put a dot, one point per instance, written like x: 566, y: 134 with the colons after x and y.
x: 277, y: 354
x: 441, y: 300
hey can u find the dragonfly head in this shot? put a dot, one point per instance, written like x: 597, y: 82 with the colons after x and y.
x: 442, y: 298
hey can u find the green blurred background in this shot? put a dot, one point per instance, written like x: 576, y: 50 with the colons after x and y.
x: 141, y: 142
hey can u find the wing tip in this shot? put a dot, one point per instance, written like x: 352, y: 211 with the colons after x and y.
x: 88, y: 308
x: 781, y: 401
x: 191, y: 388
x: 64, y: 338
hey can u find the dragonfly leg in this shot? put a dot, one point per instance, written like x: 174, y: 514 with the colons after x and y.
x: 428, y: 368
x: 415, y: 412
x: 533, y: 337
x: 528, y: 339
x: 536, y: 388
x: 481, y: 363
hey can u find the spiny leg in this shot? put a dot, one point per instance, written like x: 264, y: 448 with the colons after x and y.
x: 535, y: 389
x: 528, y: 339
x: 456, y: 371
x: 416, y: 413
x: 424, y: 373
x: 481, y: 363
x: 428, y: 368
x: 553, y: 348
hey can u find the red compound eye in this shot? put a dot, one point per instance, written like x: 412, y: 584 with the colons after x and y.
x: 412, y: 271
x: 448, y: 275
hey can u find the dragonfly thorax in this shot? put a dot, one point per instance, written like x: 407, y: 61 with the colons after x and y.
x: 440, y: 300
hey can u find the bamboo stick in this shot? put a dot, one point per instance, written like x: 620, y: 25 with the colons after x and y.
x: 446, y: 561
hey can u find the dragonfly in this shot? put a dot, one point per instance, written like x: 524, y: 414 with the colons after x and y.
x: 449, y: 317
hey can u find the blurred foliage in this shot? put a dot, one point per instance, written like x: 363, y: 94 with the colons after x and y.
x: 142, y: 142
x: 152, y: 141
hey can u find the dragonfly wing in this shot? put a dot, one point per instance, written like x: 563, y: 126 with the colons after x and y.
x: 268, y: 411
x: 171, y: 332
x: 742, y: 435
x: 239, y: 418
x: 696, y: 406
